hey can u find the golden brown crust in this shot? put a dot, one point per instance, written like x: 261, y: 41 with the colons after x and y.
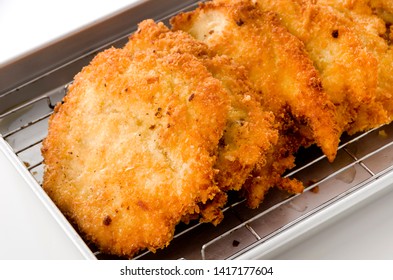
x: 348, y: 71
x: 249, y: 133
x: 365, y: 21
x: 276, y: 60
x: 129, y: 153
x: 383, y: 8
x: 155, y: 133
x: 280, y: 71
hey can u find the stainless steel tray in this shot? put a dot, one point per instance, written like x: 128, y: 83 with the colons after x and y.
x: 362, y: 170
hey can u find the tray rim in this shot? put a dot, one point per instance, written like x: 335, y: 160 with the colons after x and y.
x: 49, y: 205
x: 317, y: 221
x: 26, y: 68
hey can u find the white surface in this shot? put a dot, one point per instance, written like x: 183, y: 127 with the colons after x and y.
x: 358, y: 226
x: 367, y: 234
x: 28, y: 229
x: 24, y: 25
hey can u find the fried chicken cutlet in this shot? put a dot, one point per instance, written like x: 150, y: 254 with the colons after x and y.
x: 383, y: 8
x: 249, y: 133
x: 374, y: 34
x: 349, y: 72
x: 283, y: 75
x: 132, y: 149
x: 276, y: 61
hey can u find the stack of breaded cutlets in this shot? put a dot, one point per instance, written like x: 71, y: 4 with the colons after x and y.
x: 159, y: 131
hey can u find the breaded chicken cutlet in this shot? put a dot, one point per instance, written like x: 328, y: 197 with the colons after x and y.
x: 375, y: 36
x: 349, y: 72
x: 159, y: 131
x: 131, y: 151
x: 249, y: 135
x: 281, y: 72
x: 383, y: 8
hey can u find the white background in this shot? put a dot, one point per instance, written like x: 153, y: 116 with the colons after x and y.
x: 26, y: 24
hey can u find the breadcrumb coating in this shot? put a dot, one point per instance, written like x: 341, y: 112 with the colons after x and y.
x: 130, y: 152
x: 282, y: 74
x: 157, y: 132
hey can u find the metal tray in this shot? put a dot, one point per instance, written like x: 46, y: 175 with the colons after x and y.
x: 361, y: 172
